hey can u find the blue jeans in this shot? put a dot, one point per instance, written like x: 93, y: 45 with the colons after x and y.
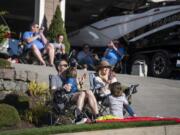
x: 129, y: 109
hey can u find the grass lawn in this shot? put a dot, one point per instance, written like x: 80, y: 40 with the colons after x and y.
x: 84, y: 127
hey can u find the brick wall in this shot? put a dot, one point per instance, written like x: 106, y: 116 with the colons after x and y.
x: 50, y: 8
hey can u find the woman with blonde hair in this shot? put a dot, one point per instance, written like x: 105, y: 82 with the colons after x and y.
x: 103, y: 80
x: 105, y: 76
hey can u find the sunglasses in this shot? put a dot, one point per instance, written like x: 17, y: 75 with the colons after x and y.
x: 105, y: 67
x: 63, y: 65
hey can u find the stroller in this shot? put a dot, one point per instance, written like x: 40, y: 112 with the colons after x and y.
x: 62, y: 109
x: 60, y: 101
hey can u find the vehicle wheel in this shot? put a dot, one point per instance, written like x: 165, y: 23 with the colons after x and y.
x: 136, y: 58
x: 161, y: 65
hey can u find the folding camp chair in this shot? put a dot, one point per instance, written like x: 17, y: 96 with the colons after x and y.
x: 129, y: 91
x: 103, y: 109
x: 61, y: 110
x: 62, y: 107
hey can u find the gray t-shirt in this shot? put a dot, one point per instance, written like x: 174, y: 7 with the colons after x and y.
x: 116, y: 105
x: 59, y: 47
x: 55, y: 82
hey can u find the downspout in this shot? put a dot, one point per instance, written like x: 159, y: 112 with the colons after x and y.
x: 63, y: 9
x: 39, y: 11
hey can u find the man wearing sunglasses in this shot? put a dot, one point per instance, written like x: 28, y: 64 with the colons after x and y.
x: 80, y: 97
x: 37, y: 42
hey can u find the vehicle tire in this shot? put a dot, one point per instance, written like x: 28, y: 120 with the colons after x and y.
x: 136, y: 58
x: 161, y: 65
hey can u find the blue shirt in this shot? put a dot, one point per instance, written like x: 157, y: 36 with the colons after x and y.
x: 74, y: 86
x: 39, y: 44
x: 113, y: 57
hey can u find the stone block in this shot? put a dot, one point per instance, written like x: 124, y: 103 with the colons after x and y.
x: 1, y: 84
x: 21, y: 86
x: 9, y: 85
x: 3, y: 94
x: 1, y: 74
x: 7, y: 73
x: 21, y: 75
x: 31, y: 76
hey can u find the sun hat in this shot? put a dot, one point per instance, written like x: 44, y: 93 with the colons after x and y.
x: 103, y: 64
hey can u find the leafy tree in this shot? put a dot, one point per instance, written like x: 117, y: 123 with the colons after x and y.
x: 57, y: 27
x: 4, y: 30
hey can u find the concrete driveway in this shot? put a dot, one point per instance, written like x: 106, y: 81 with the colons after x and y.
x: 155, y: 97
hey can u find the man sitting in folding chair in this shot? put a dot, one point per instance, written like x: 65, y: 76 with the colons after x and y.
x: 100, y: 85
x: 79, y: 98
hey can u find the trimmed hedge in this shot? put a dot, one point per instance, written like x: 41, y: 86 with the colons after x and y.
x: 9, y: 116
x: 21, y: 103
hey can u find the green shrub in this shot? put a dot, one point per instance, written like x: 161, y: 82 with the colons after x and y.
x: 21, y: 103
x: 4, y: 63
x: 4, y: 30
x: 9, y: 116
x: 38, y: 89
x: 38, y: 115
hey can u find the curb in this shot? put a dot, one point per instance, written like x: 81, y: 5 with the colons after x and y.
x: 157, y: 130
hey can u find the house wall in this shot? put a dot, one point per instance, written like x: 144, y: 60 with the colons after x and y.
x: 40, y: 11
x: 50, y: 8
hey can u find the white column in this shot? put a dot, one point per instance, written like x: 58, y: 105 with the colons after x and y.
x: 63, y: 8
x: 39, y: 11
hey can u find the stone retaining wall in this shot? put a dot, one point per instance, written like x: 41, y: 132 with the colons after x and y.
x: 13, y: 80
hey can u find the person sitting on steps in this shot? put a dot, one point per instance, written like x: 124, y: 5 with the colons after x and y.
x: 59, y: 47
x: 114, y: 53
x: 86, y: 58
x: 37, y: 42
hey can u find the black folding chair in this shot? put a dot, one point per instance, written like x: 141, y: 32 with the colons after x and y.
x: 103, y: 108
x: 62, y: 106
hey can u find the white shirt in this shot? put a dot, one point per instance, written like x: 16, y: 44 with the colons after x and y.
x: 59, y: 46
x: 116, y: 105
